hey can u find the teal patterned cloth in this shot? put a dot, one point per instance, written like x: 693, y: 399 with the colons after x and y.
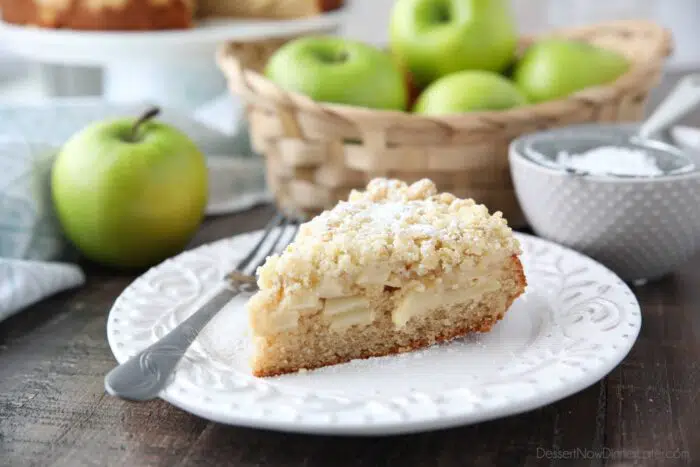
x: 35, y: 258
x: 31, y: 242
x: 28, y: 227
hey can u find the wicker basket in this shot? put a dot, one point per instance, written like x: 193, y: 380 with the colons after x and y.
x: 316, y: 152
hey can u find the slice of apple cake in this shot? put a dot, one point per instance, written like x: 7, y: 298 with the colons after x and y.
x: 396, y: 267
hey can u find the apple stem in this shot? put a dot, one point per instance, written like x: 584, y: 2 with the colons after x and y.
x: 147, y: 115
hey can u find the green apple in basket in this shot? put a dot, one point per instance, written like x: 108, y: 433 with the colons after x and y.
x: 435, y: 38
x: 341, y: 71
x: 555, y: 68
x: 130, y: 192
x: 469, y: 91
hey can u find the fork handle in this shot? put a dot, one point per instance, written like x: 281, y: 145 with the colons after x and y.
x: 143, y: 376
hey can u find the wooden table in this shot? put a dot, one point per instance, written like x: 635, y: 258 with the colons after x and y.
x: 53, y: 409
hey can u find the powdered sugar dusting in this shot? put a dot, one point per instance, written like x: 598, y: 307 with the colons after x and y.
x: 387, y: 213
x: 395, y: 218
x: 611, y: 160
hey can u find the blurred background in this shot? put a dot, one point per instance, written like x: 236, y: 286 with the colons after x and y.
x: 24, y: 81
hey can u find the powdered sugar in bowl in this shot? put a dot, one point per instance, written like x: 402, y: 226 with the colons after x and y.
x: 604, y: 150
x: 632, y: 204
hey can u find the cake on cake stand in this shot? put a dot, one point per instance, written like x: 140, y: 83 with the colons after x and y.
x: 168, y: 67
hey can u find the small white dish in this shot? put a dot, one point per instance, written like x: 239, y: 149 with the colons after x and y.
x: 641, y: 227
x: 575, y: 323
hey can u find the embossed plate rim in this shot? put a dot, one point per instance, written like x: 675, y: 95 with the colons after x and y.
x: 582, y: 294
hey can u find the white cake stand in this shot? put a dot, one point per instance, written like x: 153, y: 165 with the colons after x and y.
x: 176, y: 67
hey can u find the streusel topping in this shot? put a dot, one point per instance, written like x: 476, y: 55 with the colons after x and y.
x: 411, y: 230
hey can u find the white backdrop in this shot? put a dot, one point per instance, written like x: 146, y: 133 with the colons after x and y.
x: 368, y: 19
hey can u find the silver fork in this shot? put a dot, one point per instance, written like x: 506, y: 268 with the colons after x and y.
x: 144, y: 376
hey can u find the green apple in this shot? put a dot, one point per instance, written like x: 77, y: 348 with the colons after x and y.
x: 469, y: 91
x: 129, y: 193
x: 339, y: 70
x: 435, y: 38
x: 555, y: 68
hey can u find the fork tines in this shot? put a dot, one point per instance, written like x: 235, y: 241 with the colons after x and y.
x: 279, y: 232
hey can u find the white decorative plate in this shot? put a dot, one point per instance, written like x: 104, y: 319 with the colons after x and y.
x: 575, y: 323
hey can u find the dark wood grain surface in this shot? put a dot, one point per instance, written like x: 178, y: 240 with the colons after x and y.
x: 54, y: 412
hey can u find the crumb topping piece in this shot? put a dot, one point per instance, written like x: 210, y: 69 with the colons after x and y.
x: 391, y: 226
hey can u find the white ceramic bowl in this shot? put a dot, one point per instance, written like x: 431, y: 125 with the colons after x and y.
x: 640, y: 227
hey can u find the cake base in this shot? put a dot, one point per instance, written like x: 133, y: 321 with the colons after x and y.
x: 313, y: 345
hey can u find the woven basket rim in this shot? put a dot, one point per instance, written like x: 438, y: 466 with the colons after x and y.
x: 663, y: 47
